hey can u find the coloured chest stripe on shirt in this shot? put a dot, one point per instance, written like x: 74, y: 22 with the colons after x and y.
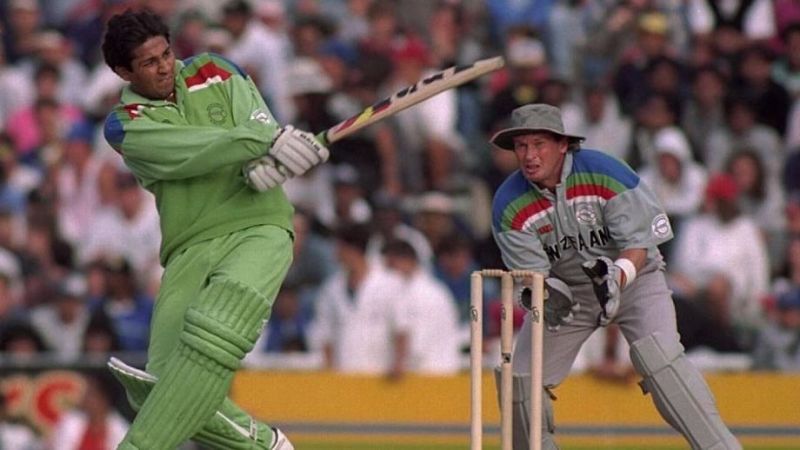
x: 518, y: 205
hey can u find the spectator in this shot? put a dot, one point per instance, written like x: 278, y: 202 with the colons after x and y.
x: 349, y: 197
x: 714, y: 298
x: 428, y: 132
x: 126, y: 306
x: 778, y: 343
x: 704, y: 110
x: 20, y: 342
x: 132, y: 214
x: 77, y: 180
x: 601, y: 121
x: 261, y: 53
x: 655, y: 113
x: 652, y: 42
x: 527, y: 70
x: 314, y: 258
x: 769, y: 99
x: 287, y: 329
x: 361, y: 322
x: 24, y: 20
x: 761, y: 198
x: 389, y: 224
x: 433, y: 347
x: 52, y: 48
x: 677, y: 180
x: 455, y: 263
x: 786, y: 68
x: 16, y: 91
x: 94, y: 423
x: 62, y: 322
x: 742, y: 131
x: 15, y: 435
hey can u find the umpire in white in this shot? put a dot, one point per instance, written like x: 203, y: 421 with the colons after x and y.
x: 587, y: 220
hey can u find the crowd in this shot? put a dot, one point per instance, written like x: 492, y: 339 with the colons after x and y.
x: 698, y: 96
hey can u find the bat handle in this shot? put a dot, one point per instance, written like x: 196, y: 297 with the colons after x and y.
x: 322, y: 137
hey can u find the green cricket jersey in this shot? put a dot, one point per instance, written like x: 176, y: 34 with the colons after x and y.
x: 189, y: 154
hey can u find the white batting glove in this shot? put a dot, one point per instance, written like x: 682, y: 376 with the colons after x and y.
x: 263, y: 174
x: 297, y: 150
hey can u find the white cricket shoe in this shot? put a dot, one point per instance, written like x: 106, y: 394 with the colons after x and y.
x: 280, y: 441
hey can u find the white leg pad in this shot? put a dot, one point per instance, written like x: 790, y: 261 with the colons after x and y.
x: 521, y: 399
x: 680, y: 393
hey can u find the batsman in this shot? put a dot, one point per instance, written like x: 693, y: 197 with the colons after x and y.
x: 198, y: 135
x: 587, y: 220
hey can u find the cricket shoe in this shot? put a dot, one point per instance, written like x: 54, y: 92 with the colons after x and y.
x: 280, y: 441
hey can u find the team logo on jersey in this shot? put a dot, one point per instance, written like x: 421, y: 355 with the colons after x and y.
x: 585, y: 215
x: 661, y: 227
x: 216, y: 113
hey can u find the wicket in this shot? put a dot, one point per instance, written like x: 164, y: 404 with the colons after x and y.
x: 535, y: 281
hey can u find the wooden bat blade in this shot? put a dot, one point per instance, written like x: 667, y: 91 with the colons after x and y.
x: 410, y: 96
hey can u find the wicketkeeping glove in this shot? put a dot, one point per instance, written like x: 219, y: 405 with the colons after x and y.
x: 606, y: 278
x: 559, y: 306
x: 297, y: 151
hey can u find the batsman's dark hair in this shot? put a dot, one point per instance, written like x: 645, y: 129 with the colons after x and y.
x: 127, y: 31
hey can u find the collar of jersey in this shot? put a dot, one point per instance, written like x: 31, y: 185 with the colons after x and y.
x: 130, y: 97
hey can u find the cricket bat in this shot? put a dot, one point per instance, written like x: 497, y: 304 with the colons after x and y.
x: 410, y: 96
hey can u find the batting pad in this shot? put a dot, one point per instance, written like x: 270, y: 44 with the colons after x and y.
x: 680, y: 393
x: 521, y: 421
x: 219, y: 329
x: 230, y: 428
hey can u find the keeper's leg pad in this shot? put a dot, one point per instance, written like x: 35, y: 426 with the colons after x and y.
x: 680, y: 393
x: 230, y: 428
x: 219, y: 329
x: 521, y: 399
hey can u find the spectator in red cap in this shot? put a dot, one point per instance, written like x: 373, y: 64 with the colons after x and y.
x: 720, y: 272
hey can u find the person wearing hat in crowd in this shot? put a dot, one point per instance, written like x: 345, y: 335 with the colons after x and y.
x: 587, y: 220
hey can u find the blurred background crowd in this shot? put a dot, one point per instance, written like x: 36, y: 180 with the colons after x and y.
x: 699, y: 96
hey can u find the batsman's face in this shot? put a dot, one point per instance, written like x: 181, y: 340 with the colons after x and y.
x: 152, y: 72
x: 540, y: 156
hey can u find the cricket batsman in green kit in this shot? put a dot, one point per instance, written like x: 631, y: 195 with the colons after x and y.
x: 198, y: 135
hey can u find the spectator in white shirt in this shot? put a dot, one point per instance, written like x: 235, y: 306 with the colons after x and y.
x: 433, y: 329
x: 361, y: 319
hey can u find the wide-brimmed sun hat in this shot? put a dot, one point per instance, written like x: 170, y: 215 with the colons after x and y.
x: 530, y: 118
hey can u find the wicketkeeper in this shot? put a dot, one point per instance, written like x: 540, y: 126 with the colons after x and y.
x: 587, y: 220
x: 186, y: 129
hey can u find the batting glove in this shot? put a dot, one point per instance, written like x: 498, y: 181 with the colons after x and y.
x: 606, y: 278
x: 297, y: 151
x: 559, y: 306
x: 263, y: 174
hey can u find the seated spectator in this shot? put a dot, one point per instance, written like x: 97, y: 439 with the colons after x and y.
x: 361, y: 321
x: 678, y: 180
x: 20, y: 341
x: 287, y: 328
x: 132, y: 214
x: 126, y: 306
x: 718, y: 304
x: 390, y: 224
x: 62, y: 321
x: 778, y: 344
x: 433, y: 347
x: 94, y: 423
x: 761, y: 197
x: 14, y: 434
